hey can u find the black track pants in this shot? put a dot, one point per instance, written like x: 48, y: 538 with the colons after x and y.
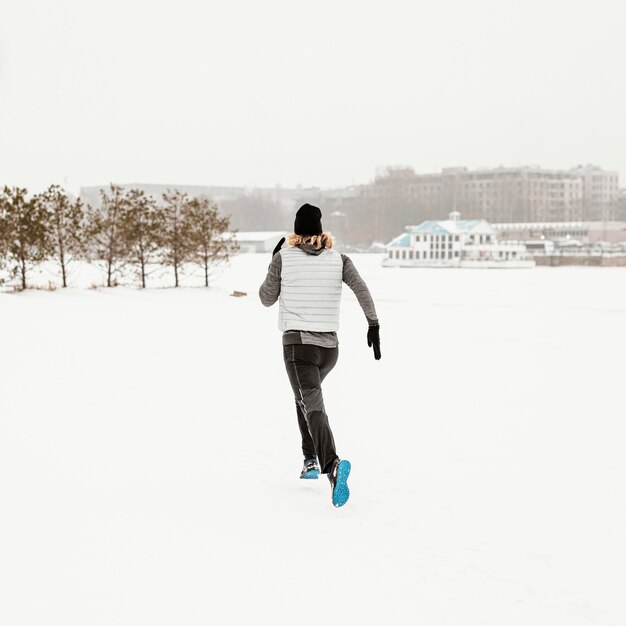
x: 307, y: 366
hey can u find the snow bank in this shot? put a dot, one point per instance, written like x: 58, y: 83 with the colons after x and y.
x: 149, y: 455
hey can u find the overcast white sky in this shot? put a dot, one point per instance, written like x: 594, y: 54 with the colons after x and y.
x: 318, y: 93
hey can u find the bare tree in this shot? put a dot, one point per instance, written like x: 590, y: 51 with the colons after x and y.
x: 106, y: 231
x: 4, y: 252
x: 23, y: 230
x: 175, y: 233
x: 142, y: 225
x: 207, y: 232
x: 65, y: 227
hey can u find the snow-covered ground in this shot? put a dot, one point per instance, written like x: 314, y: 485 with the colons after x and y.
x: 149, y: 455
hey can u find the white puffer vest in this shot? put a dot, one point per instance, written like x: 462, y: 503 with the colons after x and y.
x: 310, y: 290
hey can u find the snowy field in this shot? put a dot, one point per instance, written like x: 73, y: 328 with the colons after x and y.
x: 149, y: 455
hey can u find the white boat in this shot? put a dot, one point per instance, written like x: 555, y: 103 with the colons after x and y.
x: 455, y: 243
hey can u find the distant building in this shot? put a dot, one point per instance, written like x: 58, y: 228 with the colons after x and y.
x: 505, y: 194
x: 454, y: 243
x: 359, y: 215
x: 262, y: 241
x: 248, y: 208
x: 621, y: 205
x: 600, y: 193
x: 91, y: 195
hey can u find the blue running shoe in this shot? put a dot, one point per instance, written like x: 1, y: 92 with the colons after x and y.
x: 310, y: 469
x: 338, y: 478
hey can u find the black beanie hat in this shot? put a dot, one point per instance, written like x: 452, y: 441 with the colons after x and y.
x: 308, y: 221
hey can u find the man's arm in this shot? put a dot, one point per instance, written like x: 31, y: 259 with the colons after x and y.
x: 270, y: 289
x: 352, y: 278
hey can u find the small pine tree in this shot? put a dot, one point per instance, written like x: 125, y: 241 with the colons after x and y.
x: 105, y: 231
x: 66, y: 227
x: 175, y: 232
x: 142, y: 223
x: 207, y: 230
x: 23, y: 226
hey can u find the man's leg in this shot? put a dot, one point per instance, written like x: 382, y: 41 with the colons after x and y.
x: 328, y: 362
x: 303, y: 368
x: 308, y: 447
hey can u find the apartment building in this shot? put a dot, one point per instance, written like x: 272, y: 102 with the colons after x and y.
x: 503, y: 194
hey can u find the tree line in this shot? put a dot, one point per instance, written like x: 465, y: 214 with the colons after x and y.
x: 128, y: 230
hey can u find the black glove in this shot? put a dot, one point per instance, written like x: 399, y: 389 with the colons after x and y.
x: 278, y: 246
x: 373, y: 339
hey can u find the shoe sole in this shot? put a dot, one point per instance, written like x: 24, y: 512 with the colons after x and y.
x: 341, y: 493
x: 310, y: 475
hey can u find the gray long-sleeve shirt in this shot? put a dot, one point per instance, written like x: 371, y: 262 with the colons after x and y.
x: 269, y: 293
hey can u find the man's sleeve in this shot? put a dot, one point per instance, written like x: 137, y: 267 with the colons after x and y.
x: 270, y: 289
x: 352, y: 278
